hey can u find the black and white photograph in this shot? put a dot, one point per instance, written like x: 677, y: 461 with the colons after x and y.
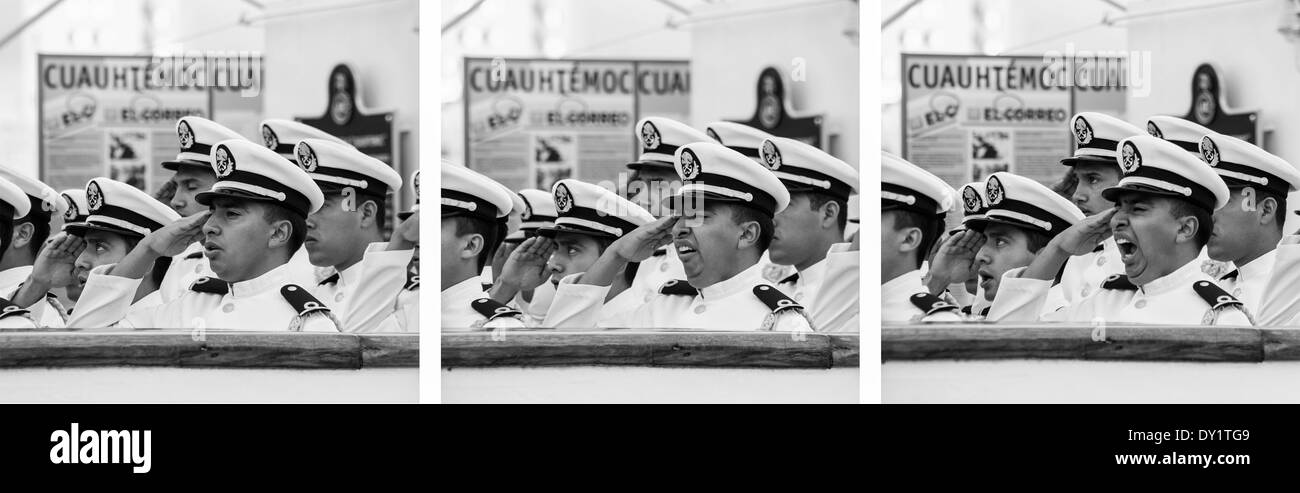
x: 209, y: 201
x: 649, y: 201
x: 1137, y: 243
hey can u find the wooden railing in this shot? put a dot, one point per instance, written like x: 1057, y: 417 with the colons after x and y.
x: 1123, y: 343
x: 522, y: 348
x: 225, y: 349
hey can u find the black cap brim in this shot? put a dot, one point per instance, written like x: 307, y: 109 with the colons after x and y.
x: 551, y: 231
x: 174, y: 165
x: 663, y: 165
x: 206, y: 198
x: 80, y: 229
x: 1113, y: 193
x: 1071, y: 161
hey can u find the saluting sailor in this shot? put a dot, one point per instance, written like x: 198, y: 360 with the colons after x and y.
x: 120, y: 216
x: 258, y: 208
x: 474, y: 209
x: 1096, y: 168
x: 1022, y: 217
x: 725, y: 208
x: 538, y: 212
x: 75, y: 210
x: 192, y: 175
x: 809, y: 233
x: 1160, y: 224
x: 590, y: 218
x: 974, y: 205
x: 654, y: 178
x: 913, y: 206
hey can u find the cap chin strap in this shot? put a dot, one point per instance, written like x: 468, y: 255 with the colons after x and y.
x: 1022, y: 217
x: 1162, y: 185
x: 469, y: 206
x: 589, y: 224
x: 1243, y: 177
x: 265, y: 192
x: 726, y: 192
x: 803, y: 179
x: 113, y: 221
x: 906, y: 199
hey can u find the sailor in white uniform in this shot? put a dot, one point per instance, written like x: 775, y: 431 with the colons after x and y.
x: 120, y: 215
x: 809, y: 233
x: 589, y: 219
x: 748, y: 140
x: 474, y: 208
x: 30, y: 233
x: 913, y: 206
x: 1248, y: 229
x: 1096, y: 168
x: 346, y: 235
x: 726, y: 207
x: 192, y: 175
x: 258, y: 208
x: 653, y: 179
x: 14, y: 205
x: 1161, y: 222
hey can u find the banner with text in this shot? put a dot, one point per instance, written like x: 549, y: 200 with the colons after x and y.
x: 966, y: 117
x: 529, y: 123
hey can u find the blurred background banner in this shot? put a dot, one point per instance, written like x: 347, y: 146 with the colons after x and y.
x: 564, y: 118
x: 94, y: 88
x: 1229, y: 65
x: 115, y: 116
x: 968, y: 116
x: 696, y: 61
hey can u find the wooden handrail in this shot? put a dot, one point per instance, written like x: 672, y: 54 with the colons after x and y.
x: 1124, y: 343
x: 219, y: 349
x: 648, y: 349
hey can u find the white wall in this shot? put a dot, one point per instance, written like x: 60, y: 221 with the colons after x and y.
x: 1073, y: 381
x: 985, y: 27
x: 209, y: 385
x: 727, y: 56
x: 648, y: 385
x: 380, y: 41
x: 1257, y: 66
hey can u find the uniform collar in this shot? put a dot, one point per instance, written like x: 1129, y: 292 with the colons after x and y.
x: 743, y: 281
x: 1260, y: 268
x: 1180, y: 278
x: 813, y: 275
x: 273, y: 279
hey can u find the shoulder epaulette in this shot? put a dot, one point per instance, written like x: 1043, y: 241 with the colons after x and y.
x: 492, y: 309
x: 8, y: 309
x: 1119, y: 281
x: 678, y: 287
x: 775, y: 299
x: 1214, y: 295
x: 302, y: 301
x: 210, y: 285
x: 929, y: 304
